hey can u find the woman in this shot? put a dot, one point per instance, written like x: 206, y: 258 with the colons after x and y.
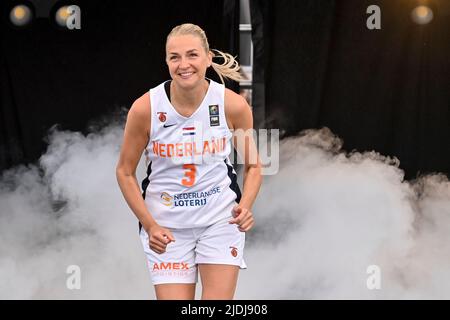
x: 191, y: 212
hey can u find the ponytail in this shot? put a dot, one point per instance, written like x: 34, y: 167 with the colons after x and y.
x: 229, y: 68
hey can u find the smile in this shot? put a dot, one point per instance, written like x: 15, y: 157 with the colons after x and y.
x: 186, y: 75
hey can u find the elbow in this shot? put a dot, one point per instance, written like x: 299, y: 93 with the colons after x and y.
x: 260, y: 176
x: 119, y: 173
x: 119, y: 170
x: 122, y: 172
x: 255, y: 171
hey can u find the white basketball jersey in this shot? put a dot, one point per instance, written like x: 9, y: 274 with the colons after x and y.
x: 190, y: 181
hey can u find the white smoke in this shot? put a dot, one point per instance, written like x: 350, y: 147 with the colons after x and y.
x: 320, y: 222
x: 70, y: 213
x: 329, y: 215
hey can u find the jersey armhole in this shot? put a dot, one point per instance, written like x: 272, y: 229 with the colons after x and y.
x: 151, y: 115
x: 224, y: 112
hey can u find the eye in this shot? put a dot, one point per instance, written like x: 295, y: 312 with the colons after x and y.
x: 173, y: 58
x: 193, y: 55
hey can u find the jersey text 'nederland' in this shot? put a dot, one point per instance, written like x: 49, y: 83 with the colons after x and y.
x: 188, y: 149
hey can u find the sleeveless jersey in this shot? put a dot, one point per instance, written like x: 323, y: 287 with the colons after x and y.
x: 190, y: 181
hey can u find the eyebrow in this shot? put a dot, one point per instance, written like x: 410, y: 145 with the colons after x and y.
x: 189, y: 51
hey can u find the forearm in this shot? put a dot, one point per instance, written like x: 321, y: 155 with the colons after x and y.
x: 132, y: 194
x: 252, y: 184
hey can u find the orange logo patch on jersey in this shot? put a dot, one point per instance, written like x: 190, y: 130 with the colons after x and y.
x: 162, y: 116
x: 167, y: 199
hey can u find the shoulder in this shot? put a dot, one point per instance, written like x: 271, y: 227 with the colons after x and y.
x: 139, y: 115
x: 236, y: 107
x: 141, y: 106
x: 235, y: 102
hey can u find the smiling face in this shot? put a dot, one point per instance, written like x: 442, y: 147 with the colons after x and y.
x: 187, y: 60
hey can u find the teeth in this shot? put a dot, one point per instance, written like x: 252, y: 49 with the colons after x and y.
x: 186, y: 74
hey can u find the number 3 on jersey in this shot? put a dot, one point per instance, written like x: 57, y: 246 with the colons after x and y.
x: 189, y: 173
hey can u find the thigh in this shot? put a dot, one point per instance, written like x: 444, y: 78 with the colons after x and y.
x: 221, y: 243
x: 218, y: 281
x: 175, y: 291
x: 174, y: 268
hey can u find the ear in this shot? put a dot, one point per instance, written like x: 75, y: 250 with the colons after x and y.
x: 210, y: 56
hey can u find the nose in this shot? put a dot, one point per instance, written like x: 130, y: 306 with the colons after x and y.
x: 183, y: 63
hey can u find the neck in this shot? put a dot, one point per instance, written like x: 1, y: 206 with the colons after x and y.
x: 188, y: 97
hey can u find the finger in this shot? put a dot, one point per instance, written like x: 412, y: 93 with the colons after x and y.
x: 169, y: 236
x: 247, y: 224
x: 157, y: 250
x: 238, y: 219
x: 242, y: 217
x: 234, y: 220
x: 245, y: 220
x: 162, y: 238
x: 245, y: 216
x: 156, y: 247
x: 248, y: 220
x: 245, y: 229
x: 158, y: 243
x: 167, y: 240
x: 237, y: 211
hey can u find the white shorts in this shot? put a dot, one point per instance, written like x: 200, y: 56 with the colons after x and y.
x: 220, y: 243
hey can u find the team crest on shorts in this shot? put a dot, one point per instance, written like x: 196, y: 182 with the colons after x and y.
x: 234, y: 251
x: 162, y: 116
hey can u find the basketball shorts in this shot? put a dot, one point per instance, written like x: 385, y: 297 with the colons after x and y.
x: 219, y: 243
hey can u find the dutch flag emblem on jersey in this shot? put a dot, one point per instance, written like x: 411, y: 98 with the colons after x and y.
x: 188, y: 131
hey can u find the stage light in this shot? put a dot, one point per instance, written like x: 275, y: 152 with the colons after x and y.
x: 20, y: 15
x: 422, y: 15
x: 61, y: 16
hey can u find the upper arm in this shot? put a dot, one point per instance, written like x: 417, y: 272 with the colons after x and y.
x: 136, y: 135
x: 240, y: 119
x: 238, y: 112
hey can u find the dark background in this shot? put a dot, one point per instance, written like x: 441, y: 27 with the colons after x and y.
x: 316, y: 64
x: 53, y: 76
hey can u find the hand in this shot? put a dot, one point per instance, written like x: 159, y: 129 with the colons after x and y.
x: 243, y: 218
x: 159, y: 238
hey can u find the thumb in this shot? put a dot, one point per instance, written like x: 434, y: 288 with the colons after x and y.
x: 237, y: 210
x: 169, y: 236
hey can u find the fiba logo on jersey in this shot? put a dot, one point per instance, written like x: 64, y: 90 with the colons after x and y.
x: 167, y: 199
x: 214, y: 110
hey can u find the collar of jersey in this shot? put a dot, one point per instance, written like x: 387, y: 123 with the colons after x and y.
x: 196, y: 110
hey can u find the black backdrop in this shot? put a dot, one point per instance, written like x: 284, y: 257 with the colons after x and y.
x: 50, y: 76
x: 317, y: 64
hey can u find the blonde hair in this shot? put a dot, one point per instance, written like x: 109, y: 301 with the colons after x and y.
x: 229, y: 69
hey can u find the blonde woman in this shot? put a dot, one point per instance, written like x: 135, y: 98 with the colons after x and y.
x: 193, y: 217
